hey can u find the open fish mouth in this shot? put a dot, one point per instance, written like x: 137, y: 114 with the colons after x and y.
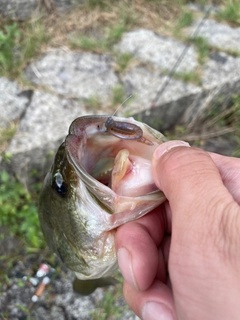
x: 115, y: 165
x: 101, y: 178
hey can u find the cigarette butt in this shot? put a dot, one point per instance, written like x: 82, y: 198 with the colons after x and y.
x: 40, y: 289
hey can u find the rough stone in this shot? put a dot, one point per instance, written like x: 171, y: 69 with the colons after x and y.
x: 18, y: 9
x: 203, y: 7
x: 162, y: 52
x: 66, y: 4
x: 43, y: 127
x: 219, y: 35
x: 75, y: 74
x: 13, y: 102
x: 219, y: 69
x: 143, y: 85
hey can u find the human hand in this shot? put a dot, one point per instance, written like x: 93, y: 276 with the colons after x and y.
x: 182, y: 260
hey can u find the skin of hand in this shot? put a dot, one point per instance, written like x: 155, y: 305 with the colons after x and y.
x: 182, y: 260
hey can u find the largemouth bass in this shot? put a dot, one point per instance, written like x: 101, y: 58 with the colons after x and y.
x: 101, y: 178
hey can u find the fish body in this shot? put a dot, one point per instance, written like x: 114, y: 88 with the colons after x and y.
x: 100, y: 179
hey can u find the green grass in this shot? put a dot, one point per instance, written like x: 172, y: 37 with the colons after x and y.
x: 112, y: 305
x: 6, y: 134
x: 190, y: 77
x: 18, y: 45
x: 9, y: 45
x: 95, y: 3
x: 33, y: 37
x: 203, y: 48
x: 118, y: 95
x: 230, y: 12
x: 185, y: 20
x: 94, y: 103
x: 84, y: 42
x: 123, y: 61
x: 100, y: 44
x: 18, y: 211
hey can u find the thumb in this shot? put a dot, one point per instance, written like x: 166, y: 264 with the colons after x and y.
x: 205, y: 232
x: 190, y: 180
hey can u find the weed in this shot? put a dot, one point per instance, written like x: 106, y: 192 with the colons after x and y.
x: 86, y: 43
x: 230, y: 52
x: 21, y: 283
x: 96, y: 3
x: 112, y: 306
x: 6, y: 157
x: 111, y: 35
x: 185, y: 20
x: 25, y: 310
x: 6, y: 135
x: 123, y: 61
x: 230, y: 12
x: 93, y: 103
x: 9, y: 38
x: 34, y: 36
x: 18, y: 211
x: 115, y: 33
x: 202, y: 47
x: 19, y: 45
x: 118, y: 95
x: 191, y: 77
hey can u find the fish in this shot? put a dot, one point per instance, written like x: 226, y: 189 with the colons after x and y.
x: 101, y: 178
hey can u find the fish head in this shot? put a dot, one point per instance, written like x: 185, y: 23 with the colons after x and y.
x: 101, y: 178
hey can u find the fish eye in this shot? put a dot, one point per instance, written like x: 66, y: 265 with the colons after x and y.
x: 59, y: 184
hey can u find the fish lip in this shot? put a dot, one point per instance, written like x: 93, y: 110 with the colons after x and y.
x: 78, y: 125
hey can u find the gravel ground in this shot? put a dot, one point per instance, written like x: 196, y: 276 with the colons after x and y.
x: 58, y: 300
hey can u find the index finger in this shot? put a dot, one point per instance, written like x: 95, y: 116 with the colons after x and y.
x: 137, y: 246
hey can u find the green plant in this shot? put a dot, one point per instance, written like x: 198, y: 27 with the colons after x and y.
x: 202, y: 47
x: 19, y: 45
x: 84, y: 42
x: 25, y: 310
x: 93, y: 103
x: 109, y: 307
x: 6, y: 135
x: 96, y: 3
x: 9, y: 39
x: 230, y: 12
x: 115, y: 32
x: 123, y: 60
x: 111, y: 35
x: 185, y: 20
x: 18, y: 211
x: 118, y: 95
x: 32, y: 39
x: 191, y: 77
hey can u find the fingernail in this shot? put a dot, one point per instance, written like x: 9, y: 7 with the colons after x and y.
x: 165, y: 147
x: 125, y: 265
x: 156, y: 311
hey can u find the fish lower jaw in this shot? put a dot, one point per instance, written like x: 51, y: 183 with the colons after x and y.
x: 102, y: 269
